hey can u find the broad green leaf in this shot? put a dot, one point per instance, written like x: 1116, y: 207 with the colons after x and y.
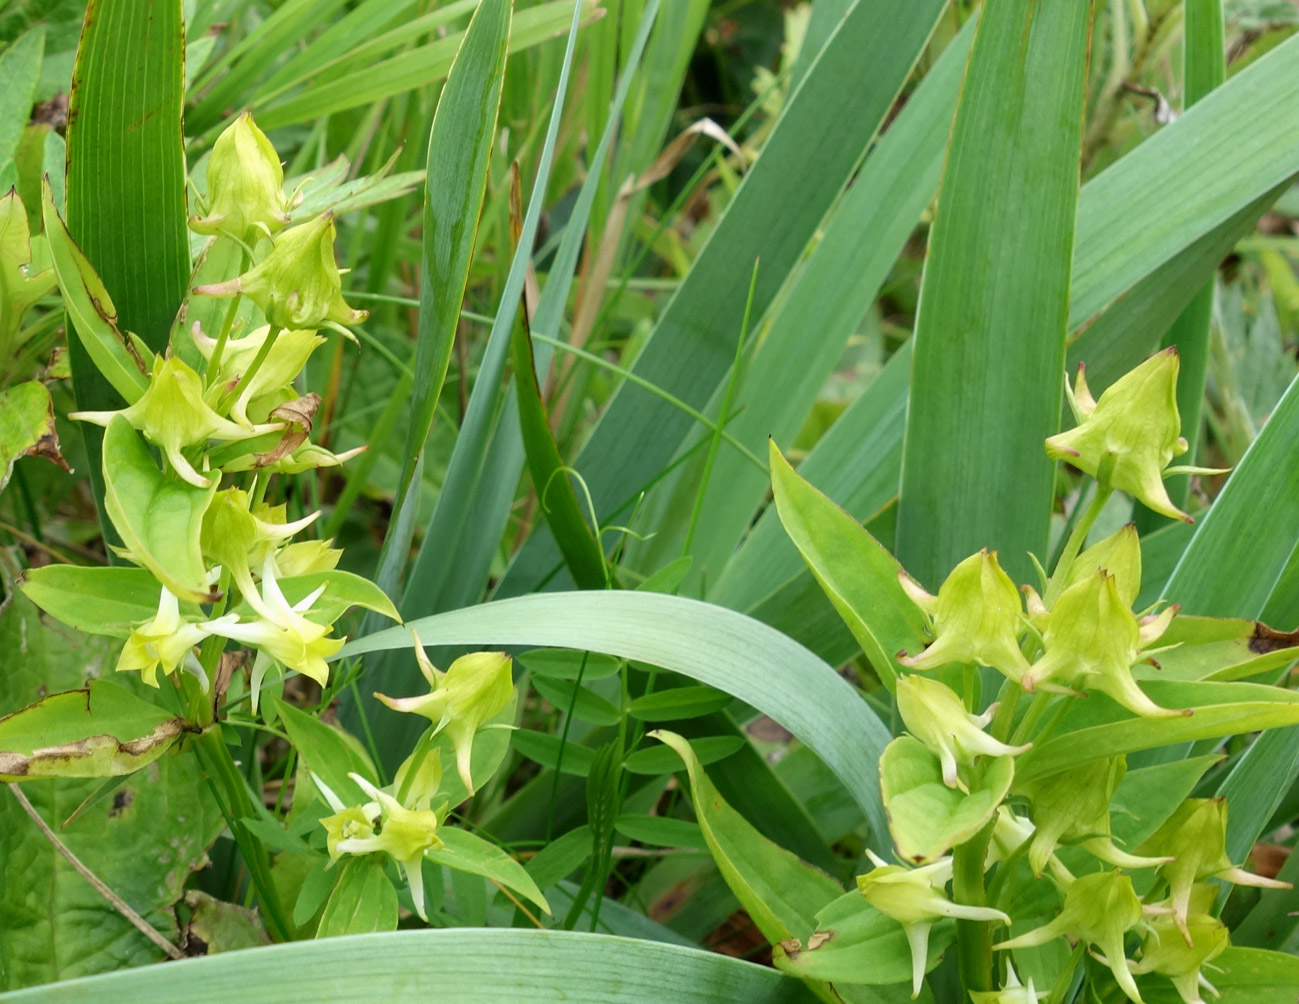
x: 1103, y: 729
x: 466, y: 852
x: 1147, y: 796
x: 107, y: 601
x: 94, y: 317
x: 823, y: 130
x: 416, y: 67
x: 1213, y: 649
x: 221, y: 927
x: 781, y: 893
x: 858, y: 575
x: 27, y: 427
x: 562, y: 664
x: 856, y: 944
x: 544, y: 967
x: 459, y: 155
x: 326, y: 753
x: 364, y: 900
x: 54, y: 925
x: 927, y: 818
x: 100, y: 731
x: 1257, y: 785
x: 990, y: 329
x: 24, y: 278
x: 661, y: 831
x: 20, y: 69
x: 125, y: 202
x: 158, y: 516
x: 658, y: 760
x: 714, y: 646
x: 678, y: 703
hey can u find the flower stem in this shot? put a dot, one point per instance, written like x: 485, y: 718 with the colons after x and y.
x: 973, y: 937
x: 1074, y: 544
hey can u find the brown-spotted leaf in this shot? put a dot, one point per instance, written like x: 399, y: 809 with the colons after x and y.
x: 27, y: 427
x: 100, y: 730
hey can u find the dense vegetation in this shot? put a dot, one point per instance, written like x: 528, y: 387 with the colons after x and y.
x: 478, y: 477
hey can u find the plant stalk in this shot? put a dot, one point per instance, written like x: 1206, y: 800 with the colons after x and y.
x: 973, y: 937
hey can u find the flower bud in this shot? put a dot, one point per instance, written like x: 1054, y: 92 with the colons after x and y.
x: 1130, y: 434
x: 935, y: 715
x: 1164, y: 950
x: 462, y: 700
x: 1073, y: 806
x: 297, y: 285
x: 975, y: 618
x: 1120, y: 555
x: 1092, y: 640
x: 245, y: 184
x: 1099, y: 909
x: 173, y: 416
x: 1195, y: 838
x: 916, y: 899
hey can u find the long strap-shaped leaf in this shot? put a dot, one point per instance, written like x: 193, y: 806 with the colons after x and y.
x: 821, y: 134
x: 126, y: 180
x: 711, y: 644
x: 486, y: 966
x: 459, y: 155
x: 989, y: 340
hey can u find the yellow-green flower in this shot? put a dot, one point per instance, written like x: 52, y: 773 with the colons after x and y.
x: 462, y: 700
x: 974, y: 618
x: 245, y: 184
x: 163, y: 642
x: 1181, y: 953
x: 297, y: 285
x: 934, y: 714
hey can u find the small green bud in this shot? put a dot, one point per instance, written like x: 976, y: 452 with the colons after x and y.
x: 1073, y: 806
x: 1099, y: 909
x: 1120, y: 555
x: 1195, y: 839
x: 1093, y: 640
x: 475, y: 689
x: 245, y: 184
x: 297, y: 285
x: 976, y: 617
x: 916, y: 898
x: 1130, y: 434
x: 934, y: 714
x: 1164, y: 950
x: 173, y: 416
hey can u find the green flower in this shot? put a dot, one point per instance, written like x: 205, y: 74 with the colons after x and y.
x: 974, y: 618
x: 1120, y: 555
x: 166, y: 641
x: 245, y: 184
x: 1126, y: 439
x: 462, y: 700
x: 1180, y: 953
x: 1073, y: 806
x: 297, y: 285
x: 284, y: 361
x: 173, y: 416
x: 1194, y: 838
x: 934, y: 714
x: 916, y: 899
x: 1013, y: 992
x: 1099, y: 909
x: 1093, y: 640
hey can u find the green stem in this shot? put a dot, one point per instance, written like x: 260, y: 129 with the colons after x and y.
x: 214, y: 364
x: 973, y: 937
x: 1007, y: 704
x: 236, y: 805
x: 1074, y: 544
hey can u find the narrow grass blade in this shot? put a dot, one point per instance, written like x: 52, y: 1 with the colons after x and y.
x: 710, y: 644
x: 821, y: 134
x: 126, y: 182
x: 989, y: 342
x: 459, y: 155
x: 545, y: 967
